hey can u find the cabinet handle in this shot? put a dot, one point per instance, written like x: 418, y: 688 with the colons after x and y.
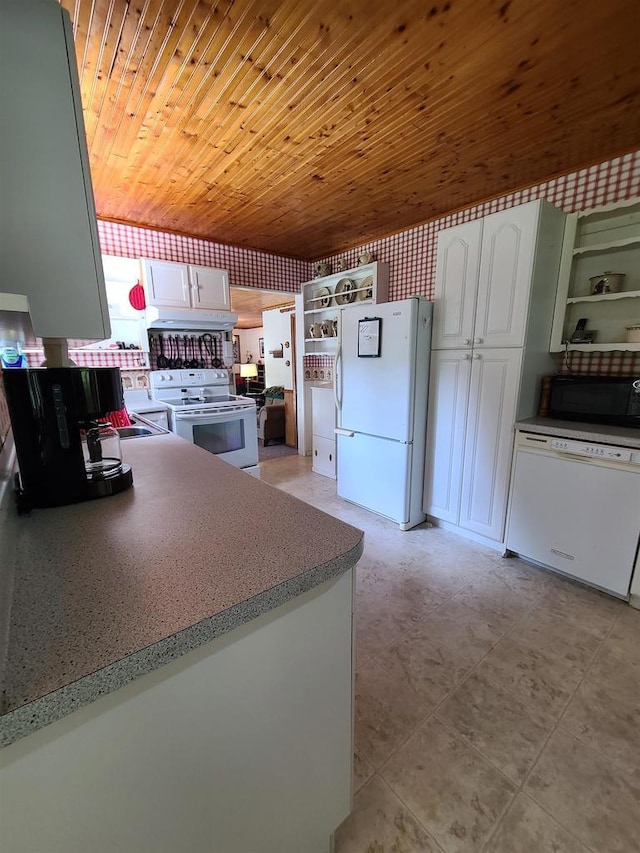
x: 466, y: 356
x: 467, y: 342
x: 477, y: 355
x: 330, y: 458
x: 477, y: 340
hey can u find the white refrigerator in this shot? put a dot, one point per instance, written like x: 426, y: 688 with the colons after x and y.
x: 381, y: 386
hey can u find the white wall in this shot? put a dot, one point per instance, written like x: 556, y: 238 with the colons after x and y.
x: 249, y: 342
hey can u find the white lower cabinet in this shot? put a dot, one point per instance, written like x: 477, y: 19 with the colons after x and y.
x: 243, y: 745
x: 472, y: 407
x: 324, y: 456
x: 493, y: 395
x: 448, y: 399
x: 323, y: 420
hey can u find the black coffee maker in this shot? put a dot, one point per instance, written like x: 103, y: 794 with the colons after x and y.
x: 55, y: 415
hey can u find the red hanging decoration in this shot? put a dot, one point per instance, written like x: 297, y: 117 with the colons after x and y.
x: 136, y: 297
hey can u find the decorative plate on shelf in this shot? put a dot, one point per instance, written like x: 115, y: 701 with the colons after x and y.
x: 365, y: 288
x: 345, y: 291
x: 322, y: 297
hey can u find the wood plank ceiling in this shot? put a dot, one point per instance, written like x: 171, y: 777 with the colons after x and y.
x: 305, y: 127
x: 249, y: 303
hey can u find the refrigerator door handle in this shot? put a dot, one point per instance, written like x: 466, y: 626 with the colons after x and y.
x: 336, y: 369
x: 348, y: 432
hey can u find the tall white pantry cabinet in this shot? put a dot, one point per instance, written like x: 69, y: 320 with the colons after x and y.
x: 496, y: 282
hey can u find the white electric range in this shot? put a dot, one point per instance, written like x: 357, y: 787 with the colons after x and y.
x: 202, y: 411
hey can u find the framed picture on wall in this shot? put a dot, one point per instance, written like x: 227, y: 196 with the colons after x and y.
x: 236, y: 349
x: 261, y: 345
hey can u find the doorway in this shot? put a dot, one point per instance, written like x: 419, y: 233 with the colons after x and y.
x: 265, y: 336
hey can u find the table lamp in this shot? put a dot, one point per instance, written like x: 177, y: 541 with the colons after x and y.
x: 248, y: 371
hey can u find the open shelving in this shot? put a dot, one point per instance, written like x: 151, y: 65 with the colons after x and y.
x: 605, y: 239
x: 320, y: 304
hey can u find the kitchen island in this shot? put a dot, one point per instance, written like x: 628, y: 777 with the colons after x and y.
x: 178, y: 665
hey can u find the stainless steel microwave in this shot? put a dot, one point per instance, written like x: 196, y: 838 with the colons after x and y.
x: 596, y: 399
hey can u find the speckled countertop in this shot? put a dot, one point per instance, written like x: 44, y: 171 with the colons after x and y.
x: 598, y: 433
x: 107, y: 590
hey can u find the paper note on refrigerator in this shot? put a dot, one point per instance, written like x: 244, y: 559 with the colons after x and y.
x: 369, y: 337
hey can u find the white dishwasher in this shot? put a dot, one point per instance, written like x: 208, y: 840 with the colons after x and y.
x: 575, y: 507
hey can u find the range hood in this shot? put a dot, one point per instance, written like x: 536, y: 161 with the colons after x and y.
x: 167, y: 319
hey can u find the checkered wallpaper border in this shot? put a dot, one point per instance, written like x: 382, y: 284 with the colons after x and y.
x: 616, y: 363
x: 412, y: 253
x: 247, y: 267
x: 124, y: 359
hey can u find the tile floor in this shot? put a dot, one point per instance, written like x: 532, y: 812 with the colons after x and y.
x: 497, y: 705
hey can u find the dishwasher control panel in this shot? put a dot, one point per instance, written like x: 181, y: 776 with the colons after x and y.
x: 597, y: 451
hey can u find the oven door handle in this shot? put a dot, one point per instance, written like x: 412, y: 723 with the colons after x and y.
x: 217, y: 415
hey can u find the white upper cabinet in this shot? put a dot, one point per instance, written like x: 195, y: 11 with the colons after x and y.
x: 506, y: 271
x: 48, y: 236
x: 166, y: 284
x: 210, y: 288
x: 486, y: 272
x: 456, y: 285
x: 173, y: 285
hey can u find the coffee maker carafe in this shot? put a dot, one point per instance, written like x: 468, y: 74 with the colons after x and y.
x: 65, y: 455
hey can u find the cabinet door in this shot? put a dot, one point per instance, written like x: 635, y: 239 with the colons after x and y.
x: 448, y: 397
x: 457, y: 266
x: 495, y: 377
x: 48, y: 238
x: 210, y: 288
x: 323, y: 412
x: 506, y: 270
x: 324, y: 456
x: 166, y: 284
